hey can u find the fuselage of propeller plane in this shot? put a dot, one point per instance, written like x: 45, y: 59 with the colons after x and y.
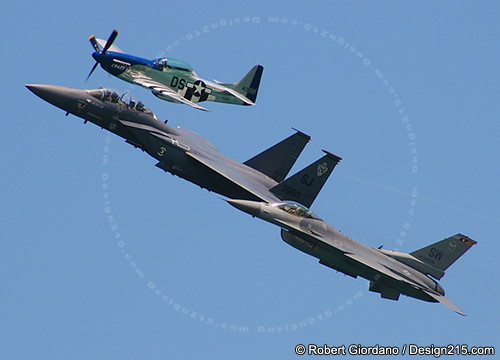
x: 172, y: 79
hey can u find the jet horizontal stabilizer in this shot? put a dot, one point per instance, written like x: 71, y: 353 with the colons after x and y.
x: 443, y: 300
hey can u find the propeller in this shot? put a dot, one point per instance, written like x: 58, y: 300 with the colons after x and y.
x: 96, y: 47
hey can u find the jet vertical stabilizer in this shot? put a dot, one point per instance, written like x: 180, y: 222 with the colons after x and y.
x: 445, y: 252
x: 277, y: 161
x: 305, y: 185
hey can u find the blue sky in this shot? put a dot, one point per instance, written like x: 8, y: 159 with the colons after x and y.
x: 116, y: 259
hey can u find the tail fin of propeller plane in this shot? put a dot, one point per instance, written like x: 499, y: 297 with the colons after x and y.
x: 277, y: 161
x: 305, y: 185
x: 445, y: 252
x: 248, y: 86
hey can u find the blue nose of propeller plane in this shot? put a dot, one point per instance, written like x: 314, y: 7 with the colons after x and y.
x: 98, y: 56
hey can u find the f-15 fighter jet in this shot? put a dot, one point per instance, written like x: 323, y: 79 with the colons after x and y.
x: 186, y: 154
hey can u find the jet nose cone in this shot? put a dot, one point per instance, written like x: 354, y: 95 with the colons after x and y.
x: 60, y: 96
x: 250, y: 207
x: 46, y: 92
x: 36, y: 88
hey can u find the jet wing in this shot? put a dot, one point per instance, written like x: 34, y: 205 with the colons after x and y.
x: 160, y: 89
x: 237, y: 176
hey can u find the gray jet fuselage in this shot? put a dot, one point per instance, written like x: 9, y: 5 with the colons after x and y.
x: 390, y: 273
x: 315, y: 237
x: 168, y: 145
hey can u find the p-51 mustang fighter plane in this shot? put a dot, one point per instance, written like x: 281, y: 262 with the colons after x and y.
x: 172, y: 79
x: 390, y: 273
x: 186, y: 154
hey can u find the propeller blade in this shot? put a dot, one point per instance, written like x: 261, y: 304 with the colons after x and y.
x: 91, y: 71
x: 96, y: 47
x: 94, y: 43
x: 110, y: 41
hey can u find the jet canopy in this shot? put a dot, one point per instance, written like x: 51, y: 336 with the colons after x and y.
x: 296, y: 209
x: 126, y: 99
x: 174, y: 64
